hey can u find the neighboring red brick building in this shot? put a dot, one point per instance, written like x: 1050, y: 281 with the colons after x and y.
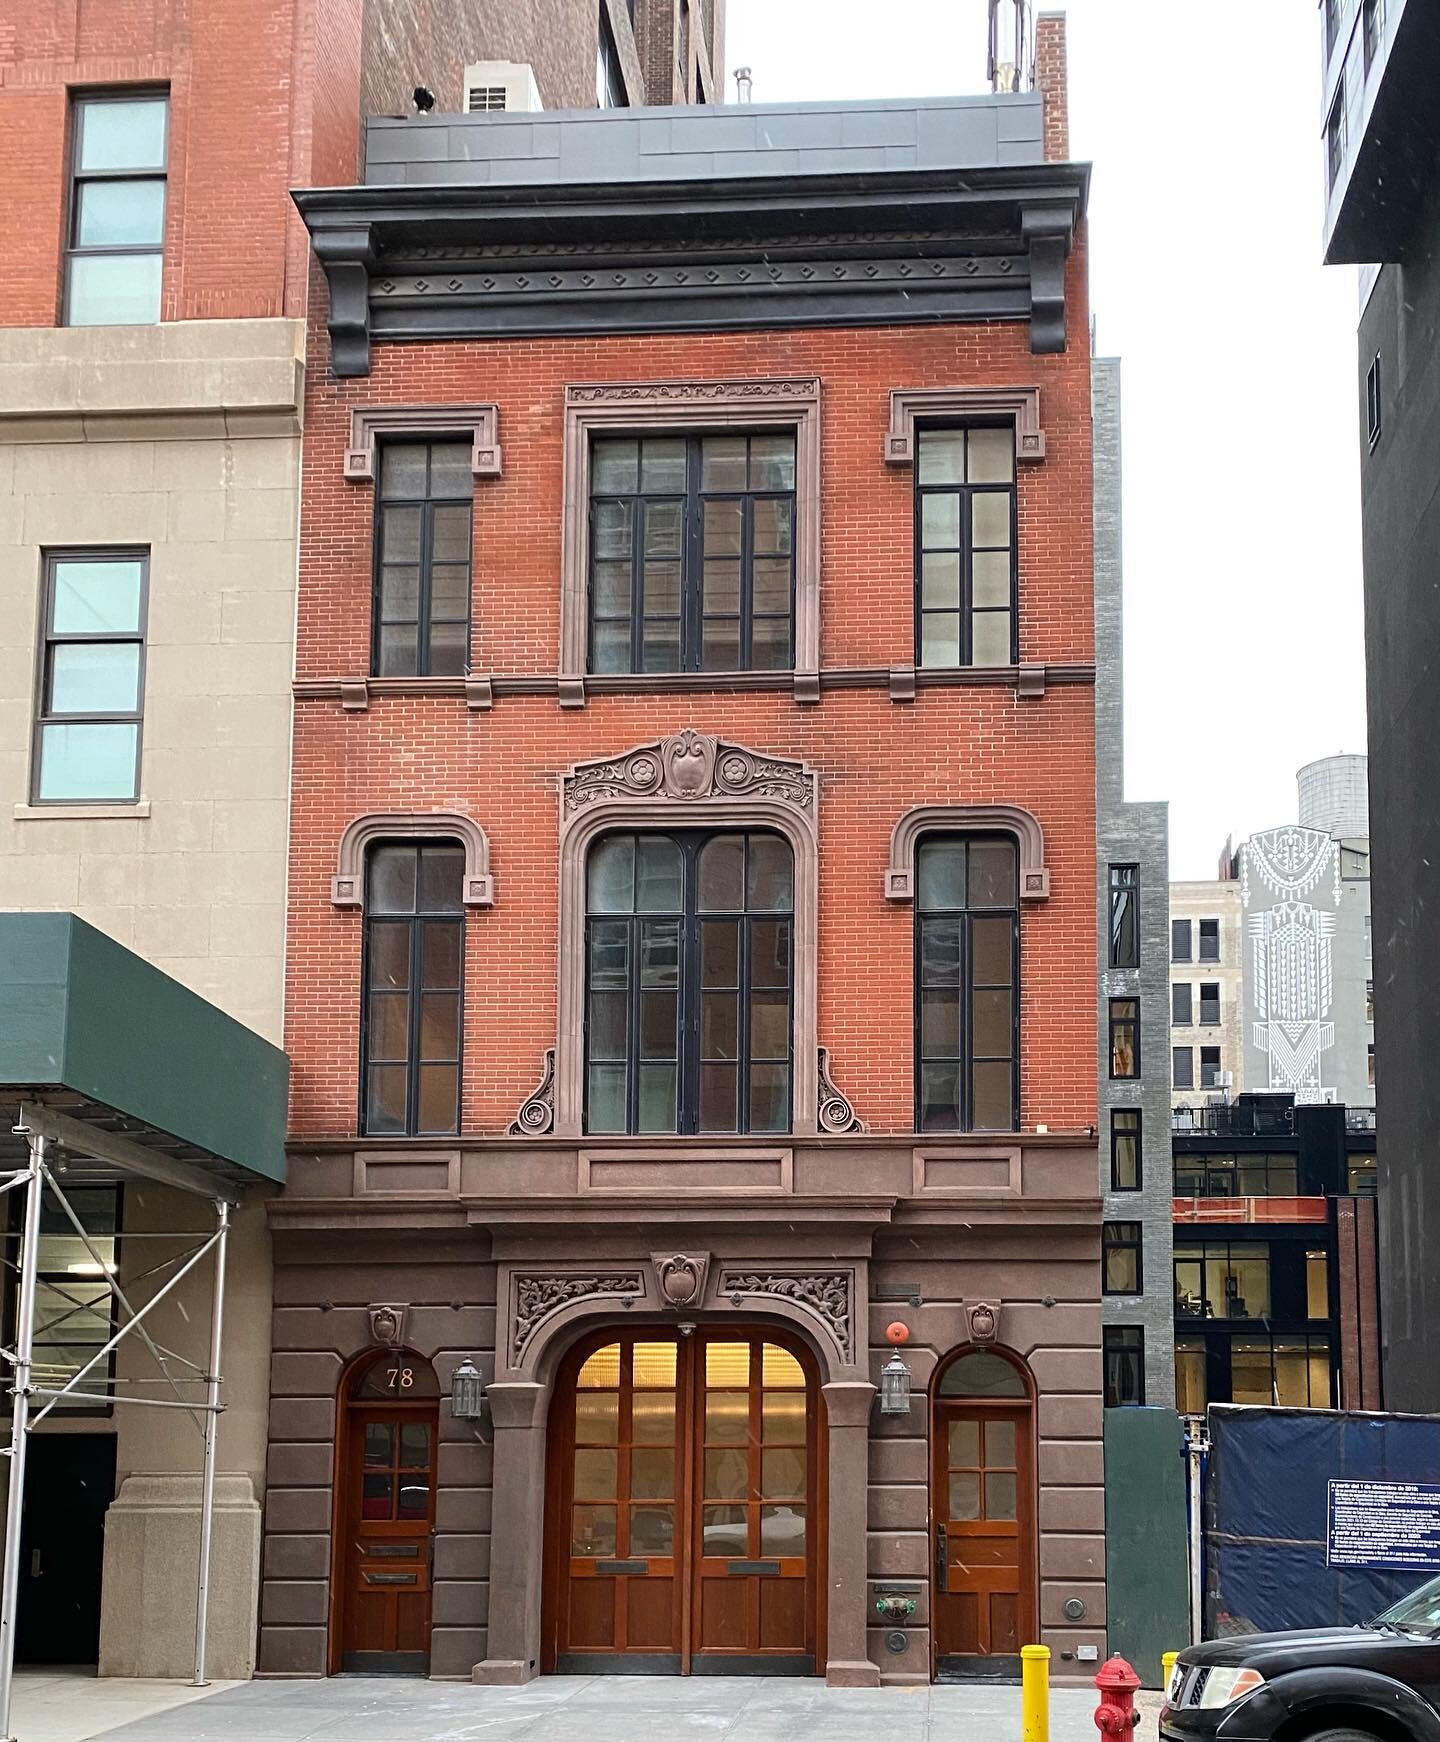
x: 745, y: 540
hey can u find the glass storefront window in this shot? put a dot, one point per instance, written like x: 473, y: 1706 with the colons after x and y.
x: 1190, y: 1391
x: 1317, y: 1286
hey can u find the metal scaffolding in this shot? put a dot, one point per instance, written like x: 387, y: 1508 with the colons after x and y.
x: 45, y: 1130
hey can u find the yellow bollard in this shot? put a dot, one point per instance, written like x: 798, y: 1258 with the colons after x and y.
x: 1167, y: 1663
x: 1035, y: 1693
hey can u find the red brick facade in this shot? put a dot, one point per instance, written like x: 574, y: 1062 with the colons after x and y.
x: 875, y: 758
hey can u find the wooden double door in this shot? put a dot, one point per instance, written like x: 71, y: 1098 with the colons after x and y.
x: 684, y: 1511
x: 984, y: 1538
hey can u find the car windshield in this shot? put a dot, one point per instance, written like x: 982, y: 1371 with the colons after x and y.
x: 1420, y: 1609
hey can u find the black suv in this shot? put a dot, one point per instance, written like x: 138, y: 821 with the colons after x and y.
x: 1379, y: 1682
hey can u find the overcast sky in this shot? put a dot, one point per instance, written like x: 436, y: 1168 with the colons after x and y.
x: 1244, y: 635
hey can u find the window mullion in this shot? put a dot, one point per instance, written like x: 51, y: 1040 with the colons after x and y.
x: 692, y: 563
x: 637, y: 578
x: 688, y: 1003
x: 742, y: 1016
x: 747, y: 577
x: 967, y: 1018
x: 632, y: 1023
x: 422, y: 602
x: 967, y: 574
x: 412, y: 1036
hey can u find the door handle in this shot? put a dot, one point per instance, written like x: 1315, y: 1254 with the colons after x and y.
x: 941, y: 1558
x: 34, y: 1563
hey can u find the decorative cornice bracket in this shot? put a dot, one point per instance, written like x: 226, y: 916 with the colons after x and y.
x: 1048, y: 231
x: 347, y: 255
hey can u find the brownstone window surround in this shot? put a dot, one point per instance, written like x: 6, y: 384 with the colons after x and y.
x: 967, y: 819
x: 759, y: 405
x: 347, y: 886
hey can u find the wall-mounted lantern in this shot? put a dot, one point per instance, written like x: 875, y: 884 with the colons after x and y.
x: 895, y: 1375
x: 467, y: 1392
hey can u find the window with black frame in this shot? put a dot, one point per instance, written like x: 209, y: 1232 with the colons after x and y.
x: 1124, y: 1347
x: 1122, y: 1271
x: 424, y: 506
x: 1126, y: 1167
x: 74, y: 1295
x: 413, y: 997
x: 965, y: 538
x: 967, y: 981
x: 115, y: 257
x: 1124, y: 1037
x: 689, y: 943
x: 1124, y: 916
x: 692, y: 553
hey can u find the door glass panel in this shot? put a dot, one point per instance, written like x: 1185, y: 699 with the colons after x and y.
x: 375, y: 1497
x: 379, y: 1443
x: 964, y: 1495
x: 592, y: 1530
x: 727, y: 1364
x: 595, y: 1473
x: 783, y: 1418
x: 965, y: 1442
x: 782, y: 1369
x: 1000, y: 1494
x: 414, y: 1497
x: 727, y: 1474
x: 782, y: 1530
x: 652, y: 1474
x: 725, y: 1531
x: 414, y: 1445
x: 653, y: 1364
x: 597, y: 1418
x: 1000, y: 1443
x: 652, y: 1530
x: 652, y: 1418
x: 602, y: 1370
x: 727, y: 1417
x: 782, y: 1472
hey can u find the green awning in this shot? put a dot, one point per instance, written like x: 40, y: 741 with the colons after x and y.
x: 94, y: 1031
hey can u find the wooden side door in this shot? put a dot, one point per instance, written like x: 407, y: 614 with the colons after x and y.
x: 389, y: 1477
x: 984, y: 1537
x: 756, y: 1517
x: 619, y: 1467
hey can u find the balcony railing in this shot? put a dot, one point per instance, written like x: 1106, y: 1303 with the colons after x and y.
x: 1252, y: 1120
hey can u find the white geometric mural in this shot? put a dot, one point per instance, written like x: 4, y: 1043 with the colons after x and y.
x: 1292, y: 954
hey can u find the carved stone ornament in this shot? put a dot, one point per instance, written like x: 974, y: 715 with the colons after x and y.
x: 692, y: 392
x: 680, y: 1277
x: 834, y: 1112
x: 536, y: 1297
x: 823, y: 1293
x: 537, y: 1116
x: 984, y: 1322
x: 387, y: 1325
x: 690, y: 765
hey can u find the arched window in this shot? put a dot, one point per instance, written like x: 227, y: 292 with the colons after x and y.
x: 414, y: 973
x: 967, y: 983
x: 982, y: 1373
x: 689, y: 982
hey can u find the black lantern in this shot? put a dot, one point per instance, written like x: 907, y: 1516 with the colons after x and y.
x: 467, y: 1392
x: 895, y: 1387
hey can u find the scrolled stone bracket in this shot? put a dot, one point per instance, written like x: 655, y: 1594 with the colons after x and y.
x: 537, y: 1115
x: 834, y: 1111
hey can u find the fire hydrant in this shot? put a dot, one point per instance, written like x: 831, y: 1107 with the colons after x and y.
x: 1116, y: 1684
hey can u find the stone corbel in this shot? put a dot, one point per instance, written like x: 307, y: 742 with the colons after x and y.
x: 387, y: 1324
x: 347, y: 257
x: 537, y: 1115
x: 834, y: 1112
x: 1047, y: 231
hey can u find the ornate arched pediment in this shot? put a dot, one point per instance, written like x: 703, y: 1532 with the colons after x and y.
x: 689, y: 766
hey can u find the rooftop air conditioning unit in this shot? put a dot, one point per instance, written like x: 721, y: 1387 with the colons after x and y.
x: 501, y: 86
x: 1225, y: 1080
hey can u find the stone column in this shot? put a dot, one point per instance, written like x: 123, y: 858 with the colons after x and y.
x: 517, y: 1532
x: 847, y: 1408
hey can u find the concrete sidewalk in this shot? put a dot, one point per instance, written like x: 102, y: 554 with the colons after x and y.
x: 71, y: 1705
x: 608, y: 1709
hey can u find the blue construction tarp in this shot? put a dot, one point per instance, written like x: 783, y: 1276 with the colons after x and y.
x: 1268, y: 1512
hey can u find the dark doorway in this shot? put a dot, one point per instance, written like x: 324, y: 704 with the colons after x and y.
x: 69, y: 1482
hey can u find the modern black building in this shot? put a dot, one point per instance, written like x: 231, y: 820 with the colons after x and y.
x: 1382, y: 153
x: 1275, y: 1262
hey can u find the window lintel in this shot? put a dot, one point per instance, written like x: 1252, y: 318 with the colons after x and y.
x: 370, y: 422
x: 1006, y: 819
x: 964, y: 405
x: 347, y: 887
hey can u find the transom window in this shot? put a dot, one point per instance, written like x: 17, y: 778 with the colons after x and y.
x: 689, y: 982
x: 117, y: 210
x: 965, y: 525
x: 423, y: 512
x: 414, y: 974
x: 692, y: 553
x: 87, y: 746
x: 967, y: 972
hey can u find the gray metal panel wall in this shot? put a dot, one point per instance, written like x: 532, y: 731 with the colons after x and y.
x: 1133, y: 834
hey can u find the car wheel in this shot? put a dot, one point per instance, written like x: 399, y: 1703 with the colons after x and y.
x: 1346, y: 1735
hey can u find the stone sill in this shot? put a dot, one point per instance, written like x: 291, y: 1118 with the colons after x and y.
x: 81, y: 813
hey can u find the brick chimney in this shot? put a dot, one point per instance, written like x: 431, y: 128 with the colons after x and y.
x: 1050, y: 80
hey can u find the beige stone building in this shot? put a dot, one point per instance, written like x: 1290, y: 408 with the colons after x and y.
x: 1206, y: 968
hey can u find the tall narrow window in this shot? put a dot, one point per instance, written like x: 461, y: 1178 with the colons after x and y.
x: 1209, y: 940
x: 414, y: 974
x: 689, y: 950
x: 92, y: 674
x: 965, y: 524
x: 609, y: 77
x: 1182, y: 1011
x: 1120, y: 1244
x: 1209, y: 1003
x: 1124, y: 1365
x: 1180, y: 940
x: 1126, y: 1169
x: 967, y: 956
x: 117, y: 210
x: 692, y: 553
x: 1209, y: 1067
x: 1124, y: 1037
x: 1182, y: 1067
x: 1124, y: 916
x: 422, y: 559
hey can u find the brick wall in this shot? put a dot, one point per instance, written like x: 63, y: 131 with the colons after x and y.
x: 263, y: 98
x: 429, y: 42
x: 1051, y: 79
x: 875, y: 758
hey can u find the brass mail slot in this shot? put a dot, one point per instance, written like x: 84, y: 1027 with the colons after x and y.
x: 623, y: 1567
x: 748, y: 1569
x: 391, y: 1551
x: 391, y: 1578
